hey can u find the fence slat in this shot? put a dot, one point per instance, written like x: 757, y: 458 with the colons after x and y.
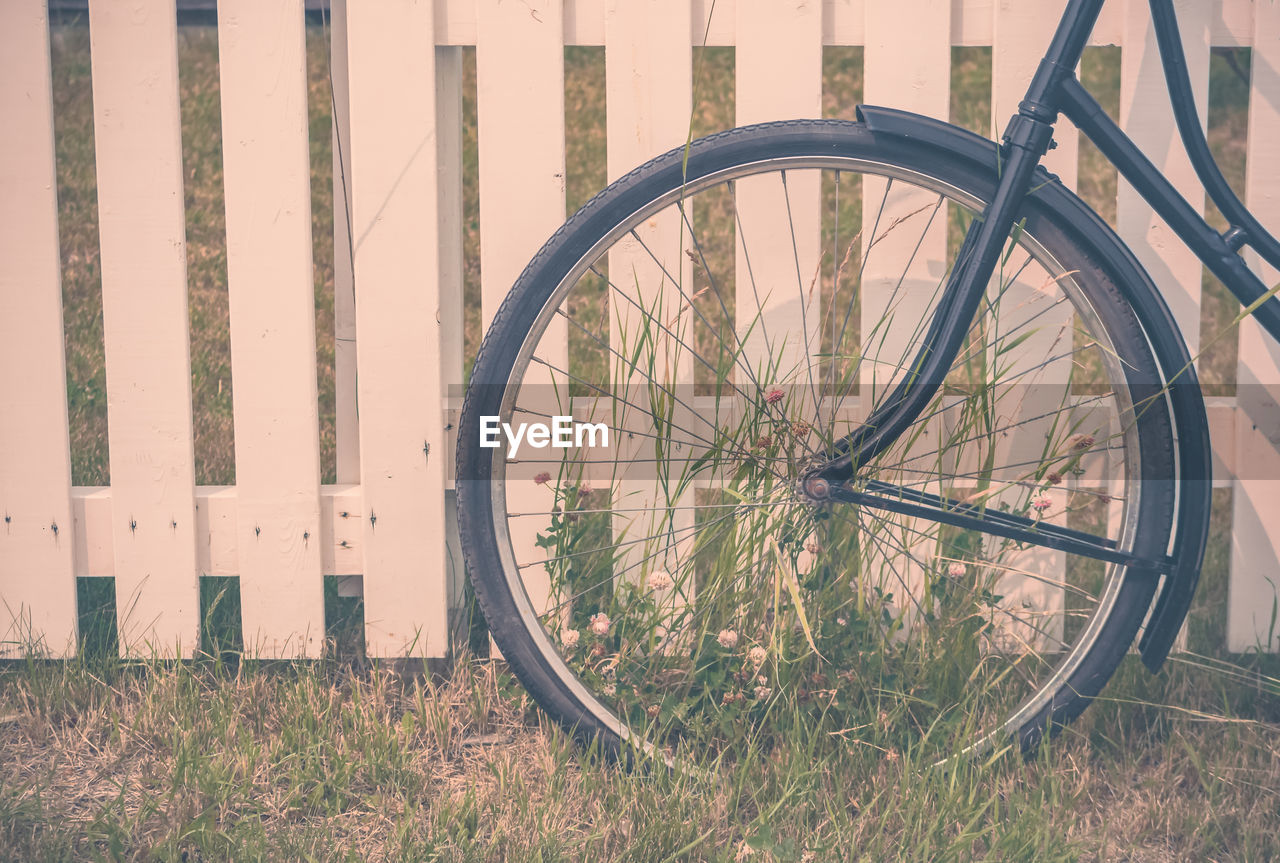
x: 267, y: 178
x: 346, y: 418
x: 903, y: 247
x: 391, y: 76
x: 1255, y: 547
x: 37, y: 585
x: 520, y: 130
x: 1146, y: 116
x: 648, y: 86
x: 1021, y: 36
x: 145, y: 336
x: 779, y: 77
x: 449, y: 132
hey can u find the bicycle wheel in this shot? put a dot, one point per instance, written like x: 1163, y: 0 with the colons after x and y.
x: 708, y: 328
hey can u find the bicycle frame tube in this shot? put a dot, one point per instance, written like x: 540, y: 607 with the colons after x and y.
x: 1054, y: 89
x: 1218, y: 252
x: 1026, y: 140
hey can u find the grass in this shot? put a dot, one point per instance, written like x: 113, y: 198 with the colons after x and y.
x: 222, y: 759
x: 217, y: 762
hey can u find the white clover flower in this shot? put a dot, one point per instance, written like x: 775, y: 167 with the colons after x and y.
x: 610, y: 690
x: 600, y: 623
x: 955, y: 569
x: 728, y: 639
x: 763, y: 692
x: 661, y: 580
x: 757, y: 655
x: 569, y: 638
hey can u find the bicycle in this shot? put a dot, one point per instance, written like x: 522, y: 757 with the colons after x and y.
x: 937, y: 435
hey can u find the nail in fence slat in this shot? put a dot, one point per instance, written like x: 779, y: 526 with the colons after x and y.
x: 144, y: 306
x: 1255, y: 548
x: 262, y: 61
x: 520, y: 119
x: 37, y: 587
x: 391, y: 74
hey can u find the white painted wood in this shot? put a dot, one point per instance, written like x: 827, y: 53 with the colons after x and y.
x: 449, y: 169
x: 1147, y: 117
x: 449, y: 135
x: 346, y: 418
x: 844, y: 22
x: 144, y: 307
x: 903, y: 260
x: 1254, y: 586
x: 392, y: 83
x: 217, y: 536
x: 37, y: 585
x: 94, y: 551
x: 778, y: 304
x: 649, y: 73
x: 267, y: 179
x: 520, y: 130
x: 341, y: 530
x: 1021, y: 34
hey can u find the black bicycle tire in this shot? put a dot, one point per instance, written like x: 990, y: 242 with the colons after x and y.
x: 758, y: 143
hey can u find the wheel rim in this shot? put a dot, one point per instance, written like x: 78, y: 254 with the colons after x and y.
x: 550, y: 631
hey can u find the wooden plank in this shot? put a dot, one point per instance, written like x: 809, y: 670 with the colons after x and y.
x: 37, y: 586
x: 1146, y: 116
x: 395, y: 228
x: 1252, y: 591
x: 217, y: 536
x: 844, y: 22
x: 779, y: 218
x: 649, y: 74
x: 1021, y: 34
x: 341, y: 530
x: 903, y: 254
x: 346, y: 417
x: 94, y: 550
x: 267, y: 178
x: 144, y: 306
x: 449, y: 135
x: 520, y: 130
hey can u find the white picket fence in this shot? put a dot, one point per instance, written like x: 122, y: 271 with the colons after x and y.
x: 398, y: 82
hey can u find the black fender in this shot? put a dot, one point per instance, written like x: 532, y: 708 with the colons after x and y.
x: 1194, y: 463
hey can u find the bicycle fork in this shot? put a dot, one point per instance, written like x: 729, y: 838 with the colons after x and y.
x: 1027, y: 138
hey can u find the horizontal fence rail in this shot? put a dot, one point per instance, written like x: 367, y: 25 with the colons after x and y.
x: 387, y: 526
